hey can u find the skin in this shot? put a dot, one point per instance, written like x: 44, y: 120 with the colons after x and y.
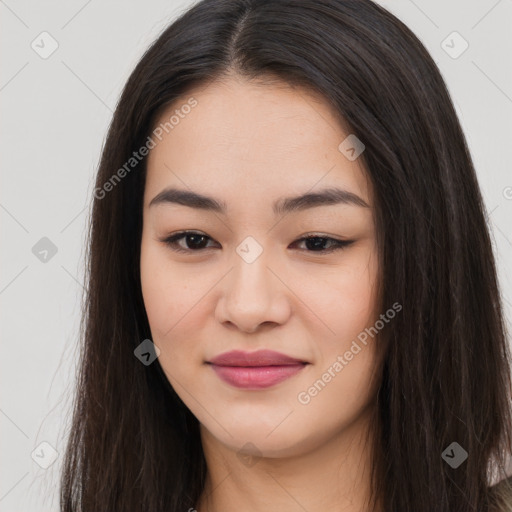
x: 250, y: 144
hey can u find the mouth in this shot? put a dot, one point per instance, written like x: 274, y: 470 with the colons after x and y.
x: 256, y: 377
x: 255, y: 370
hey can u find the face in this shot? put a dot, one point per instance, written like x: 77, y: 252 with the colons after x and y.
x: 260, y: 272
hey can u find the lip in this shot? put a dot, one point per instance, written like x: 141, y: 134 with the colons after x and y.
x: 255, y: 370
x: 258, y: 358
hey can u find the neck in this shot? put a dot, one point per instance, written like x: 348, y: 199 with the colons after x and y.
x: 333, y: 476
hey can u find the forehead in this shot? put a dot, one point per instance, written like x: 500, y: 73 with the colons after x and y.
x: 254, y: 139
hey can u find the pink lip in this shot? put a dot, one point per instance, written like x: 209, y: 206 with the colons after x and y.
x: 255, y: 370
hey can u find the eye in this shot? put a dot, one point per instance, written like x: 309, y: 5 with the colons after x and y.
x: 317, y: 243
x: 198, y: 241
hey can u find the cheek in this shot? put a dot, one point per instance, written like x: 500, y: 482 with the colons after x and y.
x: 153, y: 286
x: 350, y: 301
x: 329, y: 403
x: 344, y: 380
x: 350, y: 310
x: 164, y: 292
x: 174, y: 309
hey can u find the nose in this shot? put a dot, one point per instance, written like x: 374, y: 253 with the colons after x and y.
x: 252, y: 295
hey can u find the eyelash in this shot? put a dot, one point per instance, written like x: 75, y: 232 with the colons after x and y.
x: 172, y: 242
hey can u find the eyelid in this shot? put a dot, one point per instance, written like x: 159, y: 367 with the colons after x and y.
x: 171, y: 242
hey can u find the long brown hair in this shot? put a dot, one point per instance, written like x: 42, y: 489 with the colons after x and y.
x: 133, y: 444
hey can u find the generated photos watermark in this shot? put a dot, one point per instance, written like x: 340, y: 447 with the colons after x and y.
x: 143, y: 151
x: 304, y: 397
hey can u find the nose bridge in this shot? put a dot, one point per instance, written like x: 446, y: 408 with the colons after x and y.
x: 250, y: 276
x: 252, y: 292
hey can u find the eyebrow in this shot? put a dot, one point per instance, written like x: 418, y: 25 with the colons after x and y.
x: 325, y: 197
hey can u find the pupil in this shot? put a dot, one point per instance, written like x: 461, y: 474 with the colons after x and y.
x: 312, y: 243
x: 194, y: 240
x: 315, y: 243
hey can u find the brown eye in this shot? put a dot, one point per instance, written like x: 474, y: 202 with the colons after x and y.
x: 196, y: 242
x: 317, y: 243
x: 193, y: 241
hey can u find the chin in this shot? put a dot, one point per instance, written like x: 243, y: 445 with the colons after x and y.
x: 253, y: 440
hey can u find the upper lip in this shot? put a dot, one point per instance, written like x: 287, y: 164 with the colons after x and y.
x: 258, y: 358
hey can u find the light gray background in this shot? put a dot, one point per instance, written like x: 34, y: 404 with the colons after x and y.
x: 55, y: 113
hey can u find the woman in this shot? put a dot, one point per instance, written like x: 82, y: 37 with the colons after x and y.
x: 292, y: 300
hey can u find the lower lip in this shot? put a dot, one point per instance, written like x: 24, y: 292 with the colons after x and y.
x: 256, y: 377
